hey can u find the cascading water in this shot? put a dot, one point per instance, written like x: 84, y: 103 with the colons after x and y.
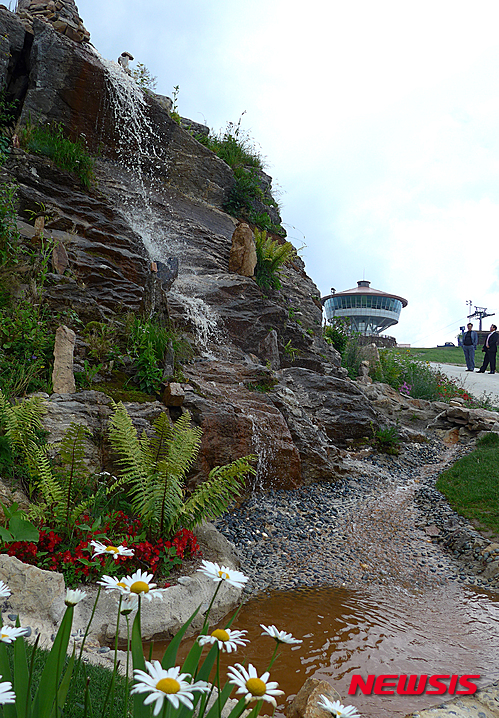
x: 263, y: 449
x: 141, y: 155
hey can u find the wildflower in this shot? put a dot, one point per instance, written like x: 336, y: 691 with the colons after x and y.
x: 9, y: 634
x: 226, y: 639
x: 170, y: 685
x: 140, y: 584
x: 5, y: 591
x: 279, y: 636
x: 74, y: 596
x: 336, y: 709
x: 255, y: 688
x: 222, y: 573
x: 113, y: 551
x: 7, y: 695
x: 130, y: 603
x: 111, y: 583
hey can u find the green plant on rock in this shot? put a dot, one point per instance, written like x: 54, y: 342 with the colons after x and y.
x: 291, y: 351
x: 49, y: 140
x: 387, y: 440
x: 271, y: 256
x: 154, y: 468
x: 144, y: 77
x: 337, y: 334
x: 9, y: 234
x: 22, y: 429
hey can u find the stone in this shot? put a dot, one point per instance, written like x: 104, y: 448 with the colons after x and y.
x: 63, y: 380
x: 35, y: 593
x: 305, y: 703
x: 242, y: 259
x: 173, y: 394
x: 167, y: 272
x: 59, y: 259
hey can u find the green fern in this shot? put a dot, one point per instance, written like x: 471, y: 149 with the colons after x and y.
x: 22, y: 425
x: 271, y: 256
x: 155, y: 469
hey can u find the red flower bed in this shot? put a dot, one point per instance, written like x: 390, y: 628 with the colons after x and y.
x: 74, y: 559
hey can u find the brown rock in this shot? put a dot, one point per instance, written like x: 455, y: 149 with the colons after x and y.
x: 268, y: 349
x: 305, y: 703
x: 451, y: 437
x: 242, y: 258
x: 63, y: 380
x: 60, y: 261
x: 173, y: 394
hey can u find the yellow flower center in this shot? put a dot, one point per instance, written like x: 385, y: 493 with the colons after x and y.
x: 142, y: 587
x: 220, y: 634
x: 168, y: 685
x: 223, y: 574
x: 112, y: 549
x: 256, y: 687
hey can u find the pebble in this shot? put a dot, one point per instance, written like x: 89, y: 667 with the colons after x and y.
x: 367, y: 527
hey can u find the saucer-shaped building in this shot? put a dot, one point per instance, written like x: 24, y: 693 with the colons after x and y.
x: 369, y: 311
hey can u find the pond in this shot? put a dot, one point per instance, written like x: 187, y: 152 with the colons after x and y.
x: 449, y: 630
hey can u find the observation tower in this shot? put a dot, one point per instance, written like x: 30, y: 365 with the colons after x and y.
x: 369, y: 311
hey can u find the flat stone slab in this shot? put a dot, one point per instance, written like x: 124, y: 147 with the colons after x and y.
x: 483, y: 704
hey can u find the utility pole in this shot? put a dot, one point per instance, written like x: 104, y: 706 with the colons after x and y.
x: 480, y: 313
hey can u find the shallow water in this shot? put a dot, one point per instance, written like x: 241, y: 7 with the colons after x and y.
x: 448, y: 631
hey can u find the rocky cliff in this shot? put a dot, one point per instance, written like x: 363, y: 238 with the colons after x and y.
x: 158, y: 197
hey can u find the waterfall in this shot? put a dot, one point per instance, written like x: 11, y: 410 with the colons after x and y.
x: 140, y: 149
x: 263, y: 449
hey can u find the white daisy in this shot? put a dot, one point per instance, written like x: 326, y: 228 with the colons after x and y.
x: 7, y: 695
x: 130, y: 603
x: 5, y: 591
x: 112, y: 583
x: 222, y: 573
x: 74, y: 596
x: 255, y: 688
x: 113, y: 551
x: 336, y: 709
x: 140, y: 584
x: 170, y: 685
x: 8, y: 634
x: 279, y: 636
x: 226, y: 639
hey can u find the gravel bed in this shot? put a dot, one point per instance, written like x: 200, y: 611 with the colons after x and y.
x: 370, y: 526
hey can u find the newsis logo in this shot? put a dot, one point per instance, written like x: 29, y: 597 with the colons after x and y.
x: 412, y: 685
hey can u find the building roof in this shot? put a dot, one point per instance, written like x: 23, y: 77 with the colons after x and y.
x: 363, y: 288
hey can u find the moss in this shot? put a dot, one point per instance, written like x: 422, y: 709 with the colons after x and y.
x: 118, y: 389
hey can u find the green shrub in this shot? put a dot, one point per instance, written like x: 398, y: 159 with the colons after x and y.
x: 337, y: 334
x: 233, y: 146
x: 49, y: 140
x: 387, y: 440
x: 270, y: 258
x: 351, y: 356
x: 9, y: 234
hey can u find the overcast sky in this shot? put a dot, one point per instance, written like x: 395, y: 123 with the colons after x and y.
x: 378, y: 122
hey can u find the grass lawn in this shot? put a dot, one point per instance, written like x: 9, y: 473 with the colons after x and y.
x: 441, y: 355
x: 471, y: 486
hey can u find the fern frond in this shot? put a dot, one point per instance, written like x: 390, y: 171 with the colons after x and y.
x: 212, y: 498
x: 125, y: 443
x: 163, y: 429
x: 183, y: 446
x: 47, y: 484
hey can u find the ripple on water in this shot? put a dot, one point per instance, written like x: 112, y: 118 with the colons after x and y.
x: 449, y: 630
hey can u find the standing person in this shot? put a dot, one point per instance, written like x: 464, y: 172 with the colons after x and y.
x: 470, y: 341
x: 490, y: 349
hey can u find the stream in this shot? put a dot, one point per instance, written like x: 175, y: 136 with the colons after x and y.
x: 366, y: 590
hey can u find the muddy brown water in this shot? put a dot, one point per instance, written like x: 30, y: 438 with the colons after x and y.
x: 400, y: 611
x: 452, y: 630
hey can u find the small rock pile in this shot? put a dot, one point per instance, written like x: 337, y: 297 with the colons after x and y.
x: 61, y: 14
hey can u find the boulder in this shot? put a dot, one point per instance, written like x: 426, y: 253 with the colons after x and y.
x: 173, y: 394
x: 305, y: 703
x: 242, y: 258
x: 63, y: 380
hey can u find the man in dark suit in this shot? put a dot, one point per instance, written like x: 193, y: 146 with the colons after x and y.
x: 490, y: 349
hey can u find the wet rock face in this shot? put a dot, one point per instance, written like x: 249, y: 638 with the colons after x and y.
x: 108, y: 268
x: 237, y: 421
